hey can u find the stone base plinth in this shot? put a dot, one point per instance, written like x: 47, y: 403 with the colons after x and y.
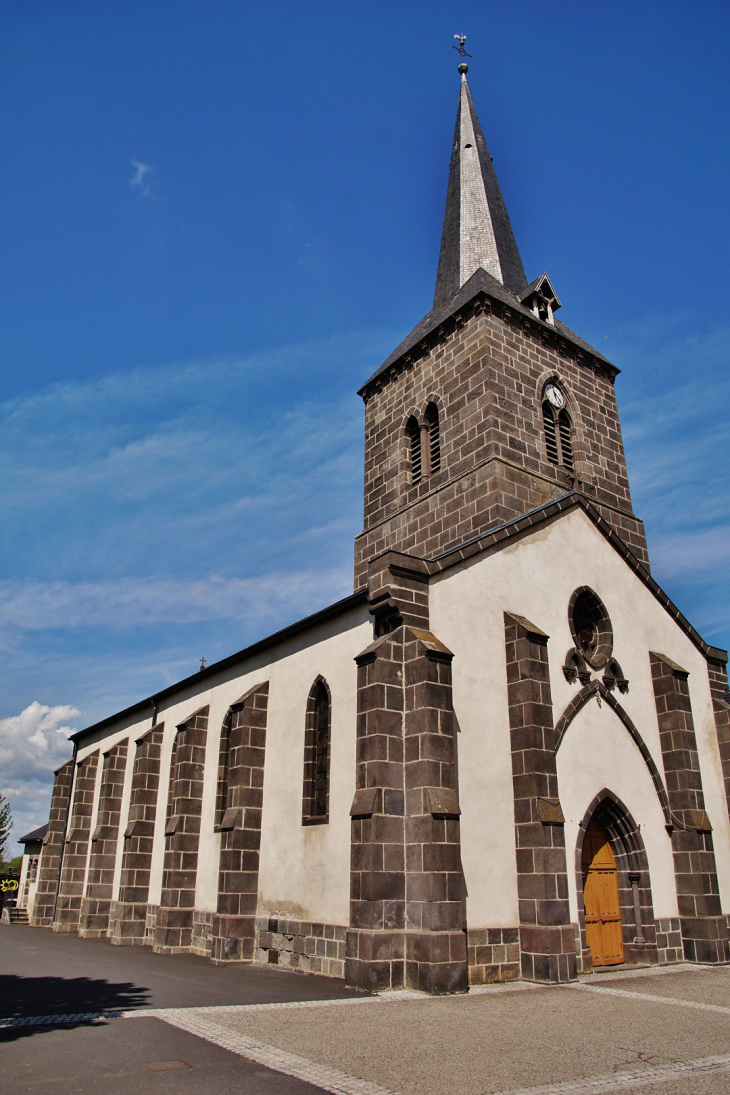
x: 234, y: 938
x: 173, y: 932
x: 128, y: 928
x: 705, y: 939
x: 547, y: 953
x: 432, y: 962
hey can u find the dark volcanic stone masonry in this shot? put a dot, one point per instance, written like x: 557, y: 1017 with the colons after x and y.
x: 130, y: 913
x: 71, y: 886
x: 407, y: 890
x: 174, y: 927
x: 240, y: 795
x: 704, y: 929
x: 41, y: 915
x: 547, y: 938
x: 96, y: 906
x: 486, y: 372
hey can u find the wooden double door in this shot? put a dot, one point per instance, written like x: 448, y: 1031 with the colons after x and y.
x: 601, y: 898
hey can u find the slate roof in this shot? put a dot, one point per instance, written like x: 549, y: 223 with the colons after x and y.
x: 37, y: 834
x: 450, y: 296
x: 448, y: 280
x: 479, y: 282
x: 452, y: 556
x: 537, y: 286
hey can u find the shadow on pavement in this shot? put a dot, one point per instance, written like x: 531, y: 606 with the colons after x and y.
x: 26, y: 997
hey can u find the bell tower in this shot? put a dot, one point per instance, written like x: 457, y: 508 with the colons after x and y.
x: 491, y: 406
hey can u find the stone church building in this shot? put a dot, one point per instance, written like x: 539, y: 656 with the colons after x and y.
x: 506, y: 755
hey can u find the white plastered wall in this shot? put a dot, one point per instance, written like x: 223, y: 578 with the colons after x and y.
x: 597, y: 753
x: 535, y: 577
x: 304, y: 870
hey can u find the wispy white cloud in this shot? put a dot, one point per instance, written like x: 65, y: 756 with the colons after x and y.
x: 141, y: 179
x: 163, y: 514
x: 672, y: 398
x: 152, y: 600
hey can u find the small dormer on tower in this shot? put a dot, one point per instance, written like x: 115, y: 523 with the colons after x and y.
x: 541, y: 298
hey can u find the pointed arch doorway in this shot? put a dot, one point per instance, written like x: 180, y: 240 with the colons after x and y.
x: 601, y: 898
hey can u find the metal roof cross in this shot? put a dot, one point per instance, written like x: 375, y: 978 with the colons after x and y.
x: 460, y: 49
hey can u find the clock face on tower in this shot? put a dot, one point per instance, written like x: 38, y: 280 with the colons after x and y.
x: 555, y: 396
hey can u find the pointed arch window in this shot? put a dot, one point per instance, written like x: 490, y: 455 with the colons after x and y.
x: 558, y: 428
x: 315, y: 797
x: 434, y: 439
x: 224, y: 759
x: 413, y: 432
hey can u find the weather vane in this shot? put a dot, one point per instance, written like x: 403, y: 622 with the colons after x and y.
x: 461, y: 48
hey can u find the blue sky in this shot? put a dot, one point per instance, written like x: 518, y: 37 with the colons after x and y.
x: 219, y: 217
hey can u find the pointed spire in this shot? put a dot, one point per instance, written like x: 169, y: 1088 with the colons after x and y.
x: 477, y: 231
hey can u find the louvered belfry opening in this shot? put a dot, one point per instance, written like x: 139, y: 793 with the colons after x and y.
x: 558, y: 435
x: 414, y: 440
x: 565, y: 430
x: 315, y: 804
x: 432, y: 418
x: 551, y: 439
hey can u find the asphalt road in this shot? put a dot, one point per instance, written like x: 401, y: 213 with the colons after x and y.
x: 44, y: 973
x: 190, y: 1028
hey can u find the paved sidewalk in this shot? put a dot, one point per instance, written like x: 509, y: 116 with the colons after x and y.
x: 662, y: 1030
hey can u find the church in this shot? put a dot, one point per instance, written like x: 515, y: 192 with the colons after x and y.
x: 506, y: 755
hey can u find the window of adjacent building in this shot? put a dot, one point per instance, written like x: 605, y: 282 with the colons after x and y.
x: 315, y: 798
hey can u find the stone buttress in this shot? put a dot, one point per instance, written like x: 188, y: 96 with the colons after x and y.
x: 130, y: 919
x: 97, y: 903
x: 41, y: 915
x: 174, y: 927
x: 704, y: 928
x: 407, y: 890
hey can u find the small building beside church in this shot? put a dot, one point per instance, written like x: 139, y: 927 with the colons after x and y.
x: 505, y: 755
x: 29, y: 867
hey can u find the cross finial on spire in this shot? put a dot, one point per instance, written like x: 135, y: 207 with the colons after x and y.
x: 461, y: 50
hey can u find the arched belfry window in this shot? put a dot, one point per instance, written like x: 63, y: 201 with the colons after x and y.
x: 434, y: 440
x: 316, y: 789
x: 413, y: 433
x: 558, y: 427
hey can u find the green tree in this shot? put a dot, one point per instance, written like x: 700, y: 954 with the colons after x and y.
x: 6, y: 824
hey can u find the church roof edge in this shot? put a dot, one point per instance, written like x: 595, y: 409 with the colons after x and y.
x: 547, y: 511
x: 445, y: 560
x: 36, y: 835
x: 339, y: 608
x: 480, y: 282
